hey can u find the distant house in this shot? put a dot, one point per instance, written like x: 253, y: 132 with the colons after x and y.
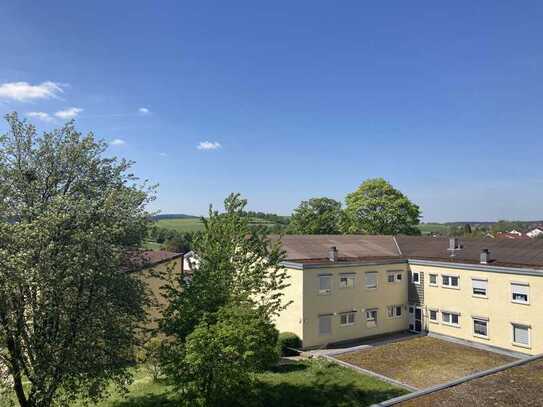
x: 515, y: 235
x: 535, y: 232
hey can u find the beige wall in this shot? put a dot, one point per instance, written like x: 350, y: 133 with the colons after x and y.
x: 358, y: 298
x: 290, y: 319
x: 497, y: 307
x: 155, y: 278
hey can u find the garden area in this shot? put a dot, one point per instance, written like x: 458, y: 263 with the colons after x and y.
x: 301, y: 383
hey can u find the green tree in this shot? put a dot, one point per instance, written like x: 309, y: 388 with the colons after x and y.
x: 317, y: 216
x: 223, y: 352
x: 237, y: 265
x: 377, y: 208
x: 68, y: 316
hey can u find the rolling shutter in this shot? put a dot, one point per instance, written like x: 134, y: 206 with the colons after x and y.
x: 371, y: 279
x: 521, y: 334
x: 480, y: 284
x: 325, y: 325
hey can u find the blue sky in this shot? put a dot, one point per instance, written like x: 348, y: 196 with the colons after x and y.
x: 295, y: 99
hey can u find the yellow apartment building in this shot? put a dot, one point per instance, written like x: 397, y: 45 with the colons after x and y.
x: 487, y: 291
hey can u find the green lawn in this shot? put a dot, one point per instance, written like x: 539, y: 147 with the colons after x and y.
x: 308, y: 383
x: 181, y: 225
x: 428, y: 228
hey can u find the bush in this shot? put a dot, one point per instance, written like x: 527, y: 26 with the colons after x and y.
x: 289, y: 340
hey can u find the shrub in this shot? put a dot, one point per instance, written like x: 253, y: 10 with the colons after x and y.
x: 289, y: 340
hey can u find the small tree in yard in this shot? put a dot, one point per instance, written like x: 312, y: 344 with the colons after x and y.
x: 237, y: 267
x: 68, y: 314
x: 223, y: 352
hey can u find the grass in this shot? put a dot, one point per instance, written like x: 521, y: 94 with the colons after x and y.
x: 518, y: 386
x: 304, y: 383
x: 425, y: 361
x: 181, y: 225
x: 429, y: 228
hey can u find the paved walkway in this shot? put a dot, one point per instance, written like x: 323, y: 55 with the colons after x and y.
x: 361, y: 344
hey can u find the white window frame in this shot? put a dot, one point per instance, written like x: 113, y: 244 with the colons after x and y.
x: 450, y: 277
x: 394, y: 314
x: 450, y: 323
x: 417, y: 273
x: 319, y: 324
x: 520, y: 284
x: 485, y: 295
x: 350, y: 317
x: 323, y: 291
x: 376, y: 280
x: 520, y: 344
x: 371, y: 322
x: 430, y: 279
x: 436, y: 320
x: 480, y: 319
x: 347, y: 277
x: 395, y: 274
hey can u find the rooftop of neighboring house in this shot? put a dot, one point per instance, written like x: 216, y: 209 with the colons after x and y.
x: 314, y: 249
x: 139, y: 260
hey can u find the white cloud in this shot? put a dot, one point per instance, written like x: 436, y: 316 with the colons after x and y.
x: 144, y: 110
x: 208, y: 145
x: 163, y: 154
x: 69, y: 113
x: 46, y: 117
x: 24, y: 91
x: 117, y: 142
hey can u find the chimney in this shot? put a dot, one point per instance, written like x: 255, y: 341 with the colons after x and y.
x: 454, y: 246
x: 485, y: 256
x: 332, y: 254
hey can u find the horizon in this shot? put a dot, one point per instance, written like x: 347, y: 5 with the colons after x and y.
x: 284, y: 102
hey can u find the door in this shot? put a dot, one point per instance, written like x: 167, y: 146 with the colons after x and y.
x: 415, y: 318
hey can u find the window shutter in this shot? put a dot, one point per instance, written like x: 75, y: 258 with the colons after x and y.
x: 371, y: 279
x: 325, y: 283
x: 325, y: 325
x: 520, y: 288
x: 480, y: 284
x: 521, y: 334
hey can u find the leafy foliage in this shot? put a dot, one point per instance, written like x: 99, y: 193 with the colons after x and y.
x: 67, y: 217
x: 377, y: 208
x: 223, y: 352
x: 239, y: 280
x: 287, y: 342
x: 317, y: 216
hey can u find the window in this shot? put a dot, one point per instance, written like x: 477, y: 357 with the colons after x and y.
x: 415, y: 277
x: 371, y: 318
x: 479, y: 287
x: 346, y: 280
x: 433, y: 279
x: 346, y: 318
x: 480, y: 327
x: 450, y: 318
x: 450, y: 281
x: 325, y: 284
x: 521, y: 335
x: 394, y: 311
x: 325, y: 324
x: 520, y: 292
x: 371, y: 279
x: 433, y: 315
x: 394, y: 276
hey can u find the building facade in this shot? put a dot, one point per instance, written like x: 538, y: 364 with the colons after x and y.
x: 374, y: 285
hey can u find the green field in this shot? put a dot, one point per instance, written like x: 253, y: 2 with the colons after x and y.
x: 427, y: 228
x: 307, y: 383
x: 181, y: 225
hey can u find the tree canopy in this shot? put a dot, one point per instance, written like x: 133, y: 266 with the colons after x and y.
x: 317, y: 216
x: 376, y: 207
x: 68, y: 216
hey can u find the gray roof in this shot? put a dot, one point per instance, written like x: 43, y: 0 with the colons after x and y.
x: 503, y: 252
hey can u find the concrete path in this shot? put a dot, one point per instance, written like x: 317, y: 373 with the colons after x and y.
x: 363, y: 344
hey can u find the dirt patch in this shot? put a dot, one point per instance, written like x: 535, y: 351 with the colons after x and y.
x: 424, y: 361
x: 517, y: 386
